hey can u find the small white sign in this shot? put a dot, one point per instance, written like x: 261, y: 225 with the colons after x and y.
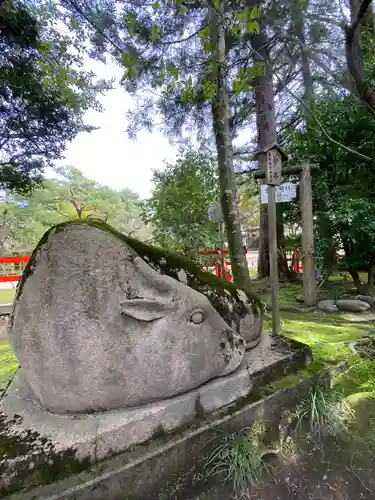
x: 284, y: 193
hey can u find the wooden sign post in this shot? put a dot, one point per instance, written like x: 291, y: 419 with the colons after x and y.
x: 272, y: 158
x: 308, y: 248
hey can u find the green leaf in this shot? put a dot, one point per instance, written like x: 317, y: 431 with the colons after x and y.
x: 155, y: 33
x: 207, y: 47
x: 252, y: 26
x: 156, y: 5
x: 126, y: 59
x: 255, y: 12
x: 170, y: 87
x: 172, y: 70
x: 209, y: 90
x: 237, y: 86
x: 205, y: 32
x: 74, y: 24
x: 236, y: 29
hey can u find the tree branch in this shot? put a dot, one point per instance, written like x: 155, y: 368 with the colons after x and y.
x: 354, y: 58
x: 351, y: 29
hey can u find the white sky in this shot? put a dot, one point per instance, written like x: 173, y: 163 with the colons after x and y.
x: 107, y: 155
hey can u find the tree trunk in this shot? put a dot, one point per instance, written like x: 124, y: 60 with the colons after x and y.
x: 285, y: 272
x: 370, y: 279
x: 309, y: 95
x: 221, y: 127
x: 309, y: 279
x: 263, y: 253
x: 266, y: 124
x: 361, y: 287
x: 354, y: 57
x: 308, y: 246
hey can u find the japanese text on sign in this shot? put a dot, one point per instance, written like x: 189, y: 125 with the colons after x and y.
x: 273, y: 177
x: 284, y: 193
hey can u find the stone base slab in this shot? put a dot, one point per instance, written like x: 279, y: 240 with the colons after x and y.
x: 172, y: 467
x: 100, y: 435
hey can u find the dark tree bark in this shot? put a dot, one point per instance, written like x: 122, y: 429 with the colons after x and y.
x: 221, y: 126
x: 361, y: 287
x: 266, y: 124
x: 285, y: 273
x: 299, y: 28
x: 370, y: 278
x: 348, y: 249
x: 354, y: 56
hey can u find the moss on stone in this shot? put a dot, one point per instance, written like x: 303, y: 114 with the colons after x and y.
x: 29, y: 459
x: 284, y: 383
x: 223, y: 295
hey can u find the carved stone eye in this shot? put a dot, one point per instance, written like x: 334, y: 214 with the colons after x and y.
x: 196, y: 317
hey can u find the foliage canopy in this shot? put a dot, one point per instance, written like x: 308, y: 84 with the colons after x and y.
x: 43, y: 94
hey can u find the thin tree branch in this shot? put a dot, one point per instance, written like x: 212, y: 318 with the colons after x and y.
x: 351, y: 29
x: 182, y: 40
x: 78, y: 9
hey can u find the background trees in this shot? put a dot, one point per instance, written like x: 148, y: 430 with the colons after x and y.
x: 178, y: 206
x: 343, y: 195
x: 43, y: 92
x: 198, y: 71
x: 70, y: 195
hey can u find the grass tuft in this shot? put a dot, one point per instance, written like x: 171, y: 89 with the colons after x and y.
x: 325, y: 413
x: 238, y: 458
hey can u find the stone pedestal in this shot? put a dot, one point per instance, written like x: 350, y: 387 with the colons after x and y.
x: 93, y: 437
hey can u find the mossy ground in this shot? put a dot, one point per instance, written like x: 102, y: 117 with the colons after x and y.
x: 328, y: 334
x: 344, y: 468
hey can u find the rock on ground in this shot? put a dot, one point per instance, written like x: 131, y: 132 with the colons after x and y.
x: 366, y: 298
x: 328, y: 306
x: 352, y: 305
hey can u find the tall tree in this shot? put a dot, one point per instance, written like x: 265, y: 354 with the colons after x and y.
x: 222, y: 131
x: 266, y: 126
x: 181, y: 53
x: 343, y: 197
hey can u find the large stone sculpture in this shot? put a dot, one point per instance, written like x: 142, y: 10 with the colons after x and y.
x: 95, y: 327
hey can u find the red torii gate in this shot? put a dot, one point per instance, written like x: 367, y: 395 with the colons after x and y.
x: 23, y: 259
x: 217, y: 265
x: 13, y: 259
